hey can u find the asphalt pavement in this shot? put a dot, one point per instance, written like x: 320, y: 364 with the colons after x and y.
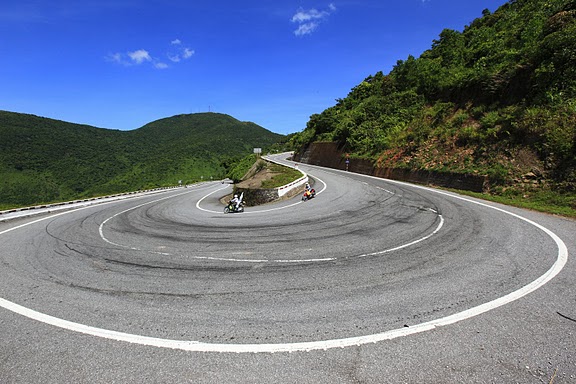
x: 372, y: 281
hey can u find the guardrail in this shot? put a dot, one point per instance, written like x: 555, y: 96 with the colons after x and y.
x: 285, y: 189
x: 34, y: 208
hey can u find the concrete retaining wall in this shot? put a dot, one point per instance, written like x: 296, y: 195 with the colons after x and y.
x: 329, y: 155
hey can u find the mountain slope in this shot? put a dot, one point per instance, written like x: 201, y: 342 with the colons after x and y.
x: 44, y: 160
x: 496, y: 99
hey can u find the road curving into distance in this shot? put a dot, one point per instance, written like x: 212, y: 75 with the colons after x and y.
x: 369, y: 265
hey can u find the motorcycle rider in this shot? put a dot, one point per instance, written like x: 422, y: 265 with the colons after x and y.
x: 308, y: 192
x: 236, y: 200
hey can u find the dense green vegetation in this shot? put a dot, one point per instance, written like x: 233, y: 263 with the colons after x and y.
x: 241, y: 167
x: 543, y: 200
x: 45, y: 160
x: 498, y: 99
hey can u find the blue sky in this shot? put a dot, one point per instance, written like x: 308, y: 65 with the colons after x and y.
x: 120, y: 64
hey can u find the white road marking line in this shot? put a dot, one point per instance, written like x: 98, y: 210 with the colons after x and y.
x: 561, y: 261
x: 101, y: 232
x: 408, y: 244
x: 261, y: 210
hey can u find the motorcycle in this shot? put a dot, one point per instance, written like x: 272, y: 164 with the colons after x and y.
x: 231, y: 208
x: 308, y: 194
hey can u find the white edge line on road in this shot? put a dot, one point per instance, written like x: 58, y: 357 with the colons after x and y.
x: 257, y: 211
x: 313, y: 345
x: 256, y: 261
x: 440, y: 225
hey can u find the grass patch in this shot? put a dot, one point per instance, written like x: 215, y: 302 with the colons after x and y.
x: 285, y: 175
x: 546, y: 201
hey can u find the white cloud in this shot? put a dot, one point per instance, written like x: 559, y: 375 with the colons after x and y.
x: 311, y: 14
x: 128, y: 59
x: 309, y: 20
x: 139, y: 56
x: 115, y: 57
x: 305, y: 29
x: 176, y: 53
x: 187, y: 53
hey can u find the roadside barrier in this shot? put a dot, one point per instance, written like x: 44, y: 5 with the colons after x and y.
x: 92, y: 199
x: 285, y: 189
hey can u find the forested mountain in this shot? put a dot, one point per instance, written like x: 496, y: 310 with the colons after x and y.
x: 44, y: 160
x: 498, y: 98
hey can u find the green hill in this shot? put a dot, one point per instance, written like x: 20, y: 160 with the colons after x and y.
x: 496, y: 99
x: 45, y: 160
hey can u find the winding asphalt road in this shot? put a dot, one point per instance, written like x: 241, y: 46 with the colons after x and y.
x: 372, y: 281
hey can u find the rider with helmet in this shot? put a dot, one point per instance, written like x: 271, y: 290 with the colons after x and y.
x: 236, y: 200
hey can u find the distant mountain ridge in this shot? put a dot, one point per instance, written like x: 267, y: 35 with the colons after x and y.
x: 45, y: 160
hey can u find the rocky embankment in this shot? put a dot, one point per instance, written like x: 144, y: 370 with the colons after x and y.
x: 329, y: 155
